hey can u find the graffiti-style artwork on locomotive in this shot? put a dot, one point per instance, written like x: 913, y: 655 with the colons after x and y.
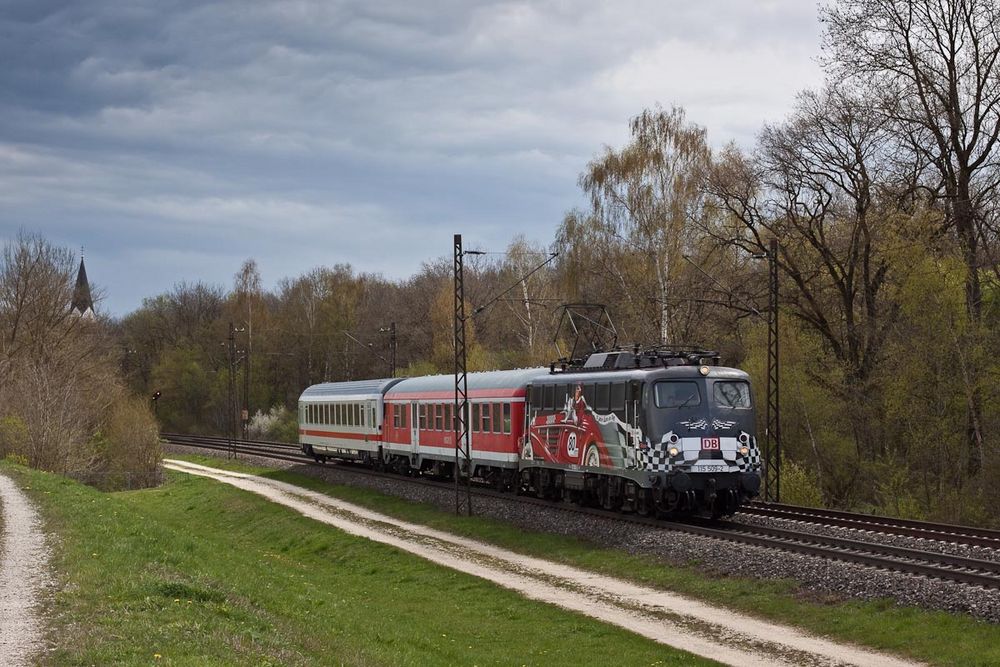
x: 577, y: 434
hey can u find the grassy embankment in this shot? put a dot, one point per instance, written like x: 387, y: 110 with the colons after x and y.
x: 199, y: 573
x: 934, y: 637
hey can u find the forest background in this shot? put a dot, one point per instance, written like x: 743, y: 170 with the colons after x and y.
x: 881, y: 189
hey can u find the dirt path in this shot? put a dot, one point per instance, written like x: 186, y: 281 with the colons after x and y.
x: 664, y: 617
x: 23, y: 573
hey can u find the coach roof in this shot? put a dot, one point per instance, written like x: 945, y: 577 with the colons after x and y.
x: 355, y: 389
x: 491, y: 382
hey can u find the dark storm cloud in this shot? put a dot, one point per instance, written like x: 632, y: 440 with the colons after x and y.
x: 175, y: 139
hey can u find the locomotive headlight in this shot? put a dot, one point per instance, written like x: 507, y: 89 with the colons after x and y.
x: 744, y: 450
x: 674, y: 451
x: 744, y: 438
x: 673, y: 438
x: 703, y: 370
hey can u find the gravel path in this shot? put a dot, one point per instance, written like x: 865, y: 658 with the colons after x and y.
x: 663, y: 617
x: 823, y: 577
x: 23, y: 575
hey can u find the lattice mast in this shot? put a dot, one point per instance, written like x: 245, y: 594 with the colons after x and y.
x: 772, y: 441
x: 463, y: 497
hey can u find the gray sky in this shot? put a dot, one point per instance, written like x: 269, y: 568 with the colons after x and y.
x: 176, y: 138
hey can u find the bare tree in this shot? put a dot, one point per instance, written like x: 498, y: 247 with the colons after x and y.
x: 644, y: 195
x: 936, y: 63
x: 817, y: 184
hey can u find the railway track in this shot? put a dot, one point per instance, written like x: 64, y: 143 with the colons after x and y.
x: 928, y: 563
x: 925, y: 530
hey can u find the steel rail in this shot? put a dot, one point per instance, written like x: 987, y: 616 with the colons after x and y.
x: 926, y: 530
x: 881, y: 556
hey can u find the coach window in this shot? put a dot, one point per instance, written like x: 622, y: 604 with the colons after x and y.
x: 423, y: 417
x: 506, y: 418
x: 438, y: 417
x: 588, y: 394
x: 449, y: 424
x: 536, y: 397
x: 486, y: 418
x: 497, y: 418
x: 475, y: 417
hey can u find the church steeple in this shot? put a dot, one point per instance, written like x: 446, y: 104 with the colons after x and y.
x: 82, y: 304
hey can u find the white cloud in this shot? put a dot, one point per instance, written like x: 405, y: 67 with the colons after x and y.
x: 378, y: 128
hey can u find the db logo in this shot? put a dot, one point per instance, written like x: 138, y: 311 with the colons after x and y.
x: 710, y: 443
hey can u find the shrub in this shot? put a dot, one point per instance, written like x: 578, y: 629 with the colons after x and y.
x: 799, y: 486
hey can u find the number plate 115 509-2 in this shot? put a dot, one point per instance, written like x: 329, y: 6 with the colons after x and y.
x: 710, y: 469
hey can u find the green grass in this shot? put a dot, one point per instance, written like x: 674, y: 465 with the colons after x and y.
x: 199, y: 573
x: 934, y: 637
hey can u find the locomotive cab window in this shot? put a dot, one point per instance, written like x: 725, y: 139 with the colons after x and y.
x: 732, y: 394
x: 677, y: 394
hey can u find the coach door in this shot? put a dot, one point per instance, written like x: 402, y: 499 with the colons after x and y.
x: 414, y: 427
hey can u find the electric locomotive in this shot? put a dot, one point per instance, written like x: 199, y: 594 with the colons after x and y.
x: 668, y: 431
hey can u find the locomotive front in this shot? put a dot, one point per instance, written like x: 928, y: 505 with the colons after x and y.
x: 700, y: 449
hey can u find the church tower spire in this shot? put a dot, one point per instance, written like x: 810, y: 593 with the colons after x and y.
x: 83, y: 304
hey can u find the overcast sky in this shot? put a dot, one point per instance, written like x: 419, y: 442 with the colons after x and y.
x: 174, y: 139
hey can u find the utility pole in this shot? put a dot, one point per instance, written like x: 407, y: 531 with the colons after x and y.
x: 772, y: 442
x: 233, y: 406
x: 231, y: 398
x: 391, y: 330
x: 463, y: 453
x: 245, y: 413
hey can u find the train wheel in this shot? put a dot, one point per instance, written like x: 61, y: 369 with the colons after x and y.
x: 605, y: 494
x: 643, y: 503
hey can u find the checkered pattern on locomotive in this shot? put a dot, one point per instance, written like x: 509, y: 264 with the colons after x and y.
x: 750, y: 462
x: 656, y: 457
